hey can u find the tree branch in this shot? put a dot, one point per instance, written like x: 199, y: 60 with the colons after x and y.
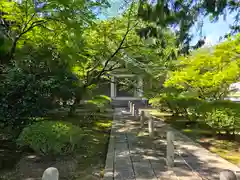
x: 112, y: 67
x: 26, y: 24
x: 129, y: 46
x: 121, y: 43
x: 34, y: 24
x: 117, y: 50
x: 15, y: 40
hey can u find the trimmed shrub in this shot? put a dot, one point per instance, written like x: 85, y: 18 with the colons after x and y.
x: 186, y: 106
x: 222, y: 115
x: 220, y: 119
x: 51, y: 137
x: 101, y: 102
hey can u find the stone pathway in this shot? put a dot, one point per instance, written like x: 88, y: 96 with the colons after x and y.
x: 133, y: 155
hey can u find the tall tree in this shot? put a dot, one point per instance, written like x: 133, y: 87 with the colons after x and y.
x: 208, y: 73
x: 19, y: 18
x: 181, y: 15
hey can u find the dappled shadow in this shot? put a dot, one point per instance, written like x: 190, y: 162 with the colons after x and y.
x: 229, y: 137
x: 138, y: 155
x: 206, y: 145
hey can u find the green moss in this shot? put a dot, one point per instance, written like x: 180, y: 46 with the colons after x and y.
x: 103, y: 124
x: 228, y: 154
x: 160, y: 114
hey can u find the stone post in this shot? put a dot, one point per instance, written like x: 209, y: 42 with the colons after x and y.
x: 227, y: 175
x: 130, y: 106
x: 146, y: 104
x: 136, y: 113
x: 133, y: 109
x: 142, y: 118
x: 50, y: 173
x: 113, y: 87
x: 150, y: 126
x: 140, y: 87
x: 170, y: 149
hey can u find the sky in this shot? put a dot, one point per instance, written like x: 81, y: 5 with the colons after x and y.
x: 113, y: 10
x: 212, y: 31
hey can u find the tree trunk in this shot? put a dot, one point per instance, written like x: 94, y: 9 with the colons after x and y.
x: 73, y: 107
x: 64, y: 103
x: 12, y: 51
x: 78, y: 97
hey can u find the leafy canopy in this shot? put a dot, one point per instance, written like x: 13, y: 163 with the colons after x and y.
x: 208, y: 72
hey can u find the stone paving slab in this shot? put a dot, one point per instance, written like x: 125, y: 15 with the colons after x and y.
x: 134, y: 157
x: 181, y: 170
x: 143, y: 170
x: 123, y: 168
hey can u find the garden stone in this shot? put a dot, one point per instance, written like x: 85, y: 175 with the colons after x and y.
x: 50, y: 173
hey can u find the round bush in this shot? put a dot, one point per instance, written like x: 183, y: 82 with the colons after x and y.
x: 223, y: 115
x: 51, y: 137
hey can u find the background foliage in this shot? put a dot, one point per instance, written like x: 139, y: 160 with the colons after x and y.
x: 55, y: 53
